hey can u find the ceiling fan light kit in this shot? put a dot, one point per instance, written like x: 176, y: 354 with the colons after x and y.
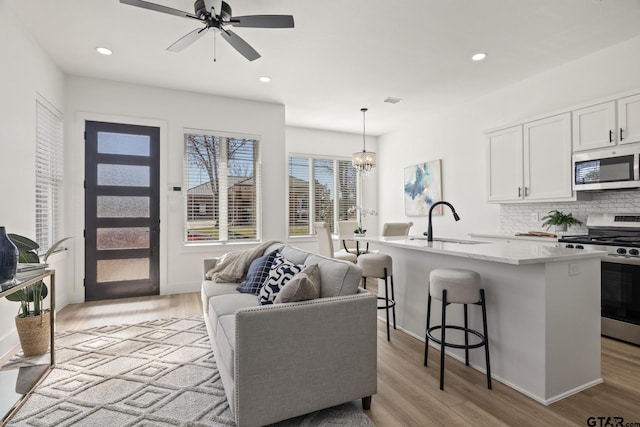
x: 205, y: 12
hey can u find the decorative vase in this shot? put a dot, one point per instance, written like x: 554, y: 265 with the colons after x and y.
x: 561, y: 228
x: 8, y: 257
x: 34, y: 333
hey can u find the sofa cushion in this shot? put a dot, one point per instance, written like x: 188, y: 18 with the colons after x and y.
x: 337, y: 278
x: 226, y: 340
x: 304, y: 286
x: 257, y: 274
x: 282, y: 270
x: 295, y: 255
x: 223, y: 305
x: 210, y: 289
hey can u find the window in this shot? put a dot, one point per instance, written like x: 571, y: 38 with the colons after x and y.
x: 333, y: 192
x: 221, y: 176
x: 49, y: 174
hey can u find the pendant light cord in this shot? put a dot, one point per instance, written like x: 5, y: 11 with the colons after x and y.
x: 364, y: 137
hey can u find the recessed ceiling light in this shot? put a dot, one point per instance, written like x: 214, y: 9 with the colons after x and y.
x: 479, y: 56
x: 104, y: 51
x: 392, y: 100
x: 265, y: 79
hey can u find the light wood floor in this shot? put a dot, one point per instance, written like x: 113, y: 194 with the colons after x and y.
x: 408, y: 393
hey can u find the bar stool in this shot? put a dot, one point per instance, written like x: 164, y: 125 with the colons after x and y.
x: 380, y: 266
x: 456, y: 286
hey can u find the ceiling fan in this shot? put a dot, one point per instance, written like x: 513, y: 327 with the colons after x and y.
x: 205, y: 12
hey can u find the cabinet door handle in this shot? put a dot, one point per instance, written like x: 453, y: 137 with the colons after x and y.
x: 526, y: 191
x: 610, y: 136
x: 621, y: 138
x: 519, y: 191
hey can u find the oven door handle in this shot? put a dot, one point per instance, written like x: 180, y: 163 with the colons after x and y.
x: 621, y: 259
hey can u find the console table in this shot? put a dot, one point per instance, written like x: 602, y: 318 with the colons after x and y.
x: 17, y: 384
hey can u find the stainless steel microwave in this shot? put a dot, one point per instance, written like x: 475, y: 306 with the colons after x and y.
x: 615, y: 168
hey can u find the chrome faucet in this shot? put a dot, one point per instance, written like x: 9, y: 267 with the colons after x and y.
x: 429, y: 232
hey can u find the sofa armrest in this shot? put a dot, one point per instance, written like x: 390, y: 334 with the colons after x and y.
x: 208, y: 264
x: 296, y: 358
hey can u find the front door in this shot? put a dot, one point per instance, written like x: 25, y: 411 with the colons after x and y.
x: 122, y: 210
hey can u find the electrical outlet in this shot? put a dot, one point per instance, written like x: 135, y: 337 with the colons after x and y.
x: 534, y: 216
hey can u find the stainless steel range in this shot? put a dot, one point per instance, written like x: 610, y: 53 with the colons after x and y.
x: 619, y: 235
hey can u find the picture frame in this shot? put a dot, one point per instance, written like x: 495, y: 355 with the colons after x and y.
x: 422, y: 188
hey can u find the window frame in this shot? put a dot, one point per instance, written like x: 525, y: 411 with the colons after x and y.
x: 223, y: 202
x: 49, y: 174
x: 336, y: 202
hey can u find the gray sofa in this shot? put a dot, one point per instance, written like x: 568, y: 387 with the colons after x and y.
x: 283, y: 360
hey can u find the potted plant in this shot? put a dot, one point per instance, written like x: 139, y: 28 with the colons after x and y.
x: 560, y: 220
x: 31, y: 322
x: 362, y: 213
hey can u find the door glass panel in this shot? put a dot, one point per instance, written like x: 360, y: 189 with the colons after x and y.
x: 114, y: 270
x: 125, y: 144
x: 122, y: 238
x: 123, y: 207
x: 123, y: 175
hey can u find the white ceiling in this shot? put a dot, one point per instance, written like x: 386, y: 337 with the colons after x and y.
x: 342, y: 54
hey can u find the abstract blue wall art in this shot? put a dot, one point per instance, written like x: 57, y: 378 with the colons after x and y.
x: 422, y: 188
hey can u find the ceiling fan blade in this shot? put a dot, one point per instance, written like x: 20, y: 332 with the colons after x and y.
x: 240, y: 45
x: 159, y: 8
x: 187, y: 39
x: 262, y: 21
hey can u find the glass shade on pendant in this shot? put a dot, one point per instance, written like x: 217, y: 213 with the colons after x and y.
x: 364, y: 161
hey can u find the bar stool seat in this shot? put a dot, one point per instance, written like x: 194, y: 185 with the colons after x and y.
x: 380, y: 266
x: 456, y: 286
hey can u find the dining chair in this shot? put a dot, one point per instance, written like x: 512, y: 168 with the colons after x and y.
x: 325, y: 244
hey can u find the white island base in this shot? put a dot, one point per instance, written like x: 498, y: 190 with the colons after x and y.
x: 543, y: 310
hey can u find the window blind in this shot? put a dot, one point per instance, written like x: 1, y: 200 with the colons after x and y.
x: 221, y: 177
x: 49, y: 174
x: 320, y: 189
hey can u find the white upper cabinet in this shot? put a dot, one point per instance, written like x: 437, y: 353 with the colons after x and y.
x: 607, y: 124
x: 547, y: 158
x: 594, y: 127
x: 629, y: 119
x: 531, y: 162
x: 505, y: 164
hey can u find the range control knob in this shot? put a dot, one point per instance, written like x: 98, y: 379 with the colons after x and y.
x: 621, y: 251
x: 633, y: 252
x: 579, y: 247
x: 570, y: 246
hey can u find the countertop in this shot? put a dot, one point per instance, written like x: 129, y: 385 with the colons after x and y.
x: 498, y: 235
x: 490, y: 251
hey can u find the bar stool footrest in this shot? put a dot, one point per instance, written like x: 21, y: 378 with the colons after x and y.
x: 389, y: 303
x: 459, y: 328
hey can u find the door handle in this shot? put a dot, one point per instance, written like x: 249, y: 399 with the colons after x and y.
x: 526, y: 191
x: 519, y: 192
x: 621, y: 138
x: 610, y: 136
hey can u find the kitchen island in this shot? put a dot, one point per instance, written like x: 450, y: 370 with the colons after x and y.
x: 543, y: 308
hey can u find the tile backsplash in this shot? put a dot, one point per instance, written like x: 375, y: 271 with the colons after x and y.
x: 515, y: 218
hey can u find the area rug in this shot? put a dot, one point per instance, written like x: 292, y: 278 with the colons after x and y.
x: 158, y: 373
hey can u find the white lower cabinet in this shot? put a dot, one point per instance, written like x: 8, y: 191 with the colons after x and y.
x: 531, y: 162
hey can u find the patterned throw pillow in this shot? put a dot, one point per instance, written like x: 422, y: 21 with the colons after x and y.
x: 282, y: 270
x: 257, y: 274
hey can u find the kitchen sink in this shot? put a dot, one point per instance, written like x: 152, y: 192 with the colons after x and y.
x: 458, y: 241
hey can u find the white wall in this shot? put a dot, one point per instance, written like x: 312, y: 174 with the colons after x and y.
x: 173, y: 111
x: 457, y: 135
x: 337, y: 144
x: 25, y: 71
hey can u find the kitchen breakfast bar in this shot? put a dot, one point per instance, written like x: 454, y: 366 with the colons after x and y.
x: 543, y: 308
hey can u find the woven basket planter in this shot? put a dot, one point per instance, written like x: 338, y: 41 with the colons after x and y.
x: 34, y: 333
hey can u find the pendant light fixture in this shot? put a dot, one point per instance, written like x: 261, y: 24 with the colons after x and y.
x: 363, y: 161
